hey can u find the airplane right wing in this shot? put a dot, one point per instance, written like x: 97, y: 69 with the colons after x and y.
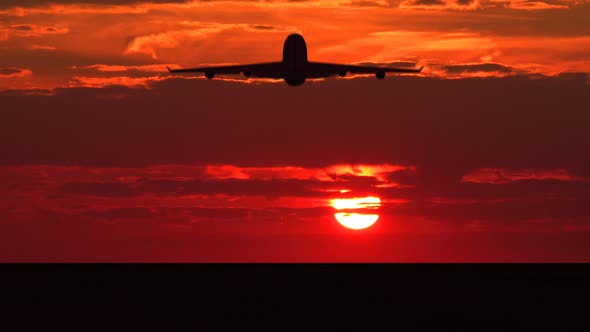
x: 318, y: 69
x: 262, y: 70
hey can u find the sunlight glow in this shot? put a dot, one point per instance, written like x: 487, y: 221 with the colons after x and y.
x: 356, y: 220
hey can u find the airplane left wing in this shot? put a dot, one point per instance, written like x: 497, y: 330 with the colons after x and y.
x: 262, y: 70
x: 318, y: 69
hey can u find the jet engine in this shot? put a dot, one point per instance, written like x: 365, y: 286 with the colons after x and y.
x: 209, y: 75
x: 342, y: 74
x: 247, y: 73
x: 380, y: 75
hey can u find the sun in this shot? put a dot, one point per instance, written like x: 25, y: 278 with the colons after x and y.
x: 363, y: 215
x: 356, y: 220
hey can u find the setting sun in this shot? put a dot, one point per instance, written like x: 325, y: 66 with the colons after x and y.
x: 357, y: 219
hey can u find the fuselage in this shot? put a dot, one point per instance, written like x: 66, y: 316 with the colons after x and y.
x: 294, y: 60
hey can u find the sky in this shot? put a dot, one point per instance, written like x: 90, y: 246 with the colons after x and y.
x: 482, y: 157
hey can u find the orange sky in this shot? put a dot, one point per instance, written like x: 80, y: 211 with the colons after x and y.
x: 126, y: 42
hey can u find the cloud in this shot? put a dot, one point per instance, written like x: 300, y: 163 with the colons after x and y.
x: 147, y: 79
x: 27, y: 7
x: 500, y: 176
x: 441, y: 4
x: 32, y: 30
x: 328, y: 173
x: 425, y: 4
x: 180, y: 180
x: 486, y: 69
x: 428, y: 2
x: 27, y: 92
x: 370, y: 3
x: 468, y: 4
x: 196, y: 31
x: 272, y: 189
x: 466, y: 70
x: 28, y: 3
x: 135, y: 199
x: 535, y: 5
x: 14, y: 72
x: 546, y: 42
x: 196, y: 216
x: 155, y: 68
x: 101, y: 82
x: 122, y: 213
x: 148, y: 44
x: 479, y: 67
x: 42, y: 48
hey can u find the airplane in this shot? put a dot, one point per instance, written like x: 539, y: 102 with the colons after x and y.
x: 294, y: 68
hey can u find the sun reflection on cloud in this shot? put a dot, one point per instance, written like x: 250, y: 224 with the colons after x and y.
x: 356, y: 203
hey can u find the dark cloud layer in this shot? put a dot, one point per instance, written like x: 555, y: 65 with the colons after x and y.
x: 270, y: 188
x: 428, y: 2
x: 14, y: 72
x: 9, y: 71
x: 480, y: 67
x: 31, y: 3
x: 441, y: 125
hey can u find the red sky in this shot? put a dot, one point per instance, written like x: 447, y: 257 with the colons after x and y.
x: 481, y: 157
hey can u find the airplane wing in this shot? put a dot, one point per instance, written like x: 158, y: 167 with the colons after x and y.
x: 318, y: 69
x: 263, y: 70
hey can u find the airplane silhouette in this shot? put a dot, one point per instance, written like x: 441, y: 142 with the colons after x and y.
x: 294, y: 68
